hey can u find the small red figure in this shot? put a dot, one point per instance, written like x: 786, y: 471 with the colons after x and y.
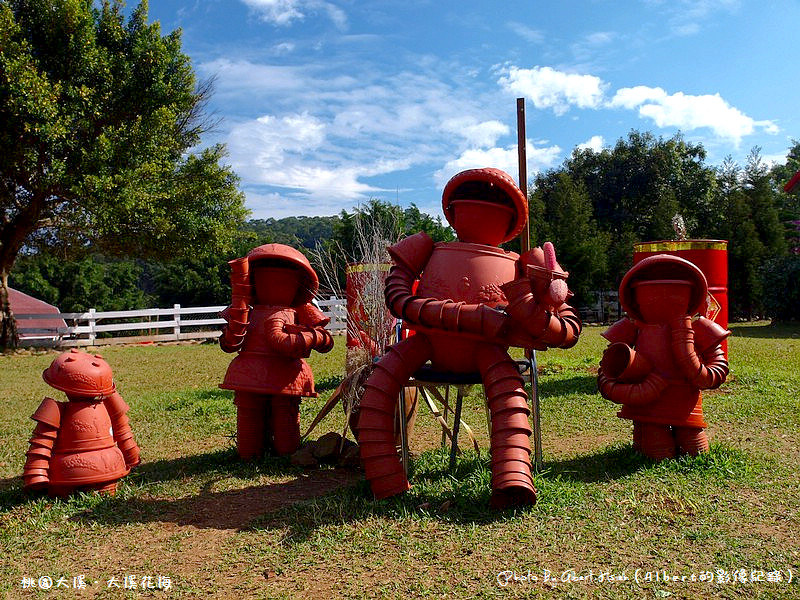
x: 86, y: 443
x: 272, y: 337
x: 659, y: 359
x: 461, y: 327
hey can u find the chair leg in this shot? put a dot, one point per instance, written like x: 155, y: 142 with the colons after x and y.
x: 401, y: 409
x: 456, y: 427
x: 536, y: 414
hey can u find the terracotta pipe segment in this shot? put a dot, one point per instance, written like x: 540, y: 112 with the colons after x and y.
x: 560, y: 329
x: 240, y: 266
x: 295, y: 345
x: 285, y: 420
x: 117, y: 409
x: 657, y: 441
x: 444, y: 315
x: 377, y: 411
x: 413, y: 252
x: 704, y: 376
x: 310, y: 315
x: 691, y: 440
x: 622, y: 363
x: 512, y: 481
x: 635, y: 394
x: 250, y: 427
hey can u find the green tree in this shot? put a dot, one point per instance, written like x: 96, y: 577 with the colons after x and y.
x: 637, y: 186
x: 564, y: 216
x: 96, y: 117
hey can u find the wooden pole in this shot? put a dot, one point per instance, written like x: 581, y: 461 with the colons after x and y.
x: 525, y: 245
x: 522, y: 152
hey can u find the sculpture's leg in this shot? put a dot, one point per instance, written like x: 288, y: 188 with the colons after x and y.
x: 376, y: 437
x: 285, y: 420
x: 251, y: 411
x: 658, y: 441
x: 512, y: 481
x: 637, y: 436
x: 691, y: 440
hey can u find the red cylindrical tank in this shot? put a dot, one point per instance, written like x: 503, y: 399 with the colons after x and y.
x: 364, y: 282
x: 711, y: 257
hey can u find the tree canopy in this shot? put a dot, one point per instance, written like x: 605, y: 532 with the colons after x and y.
x: 96, y: 118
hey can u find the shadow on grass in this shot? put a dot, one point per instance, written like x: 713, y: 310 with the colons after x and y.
x: 231, y: 509
x: 222, y: 463
x: 608, y: 464
x: 772, y: 331
x: 578, y: 384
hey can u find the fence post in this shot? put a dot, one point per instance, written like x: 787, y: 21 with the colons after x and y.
x: 92, y: 323
x: 177, y: 328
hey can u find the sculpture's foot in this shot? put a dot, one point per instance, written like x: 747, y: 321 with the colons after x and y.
x: 691, y: 440
x: 513, y: 495
x: 658, y: 441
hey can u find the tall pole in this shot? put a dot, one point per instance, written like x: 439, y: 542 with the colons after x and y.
x: 525, y: 245
x: 522, y: 152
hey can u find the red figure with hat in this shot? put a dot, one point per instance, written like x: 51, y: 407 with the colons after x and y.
x: 87, y: 442
x: 659, y: 358
x: 273, y: 325
x: 473, y: 301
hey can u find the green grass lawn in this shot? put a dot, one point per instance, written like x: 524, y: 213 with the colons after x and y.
x: 219, y: 528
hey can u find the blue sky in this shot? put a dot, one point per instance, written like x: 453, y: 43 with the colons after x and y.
x: 325, y: 104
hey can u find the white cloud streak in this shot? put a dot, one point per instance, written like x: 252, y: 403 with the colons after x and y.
x: 557, y: 90
x: 285, y: 12
x: 689, y: 112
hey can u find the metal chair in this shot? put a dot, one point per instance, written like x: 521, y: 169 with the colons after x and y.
x: 428, y: 381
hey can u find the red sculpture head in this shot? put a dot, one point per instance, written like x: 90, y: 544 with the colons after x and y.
x: 80, y: 375
x: 281, y: 275
x: 662, y: 287
x: 484, y: 206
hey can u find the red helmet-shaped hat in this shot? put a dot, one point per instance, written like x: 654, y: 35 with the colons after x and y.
x: 666, y: 268
x: 80, y: 374
x: 282, y: 255
x: 494, y: 209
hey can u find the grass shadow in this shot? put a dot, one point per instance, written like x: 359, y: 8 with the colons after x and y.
x: 609, y: 463
x: 232, y: 509
x: 577, y: 384
x: 772, y: 331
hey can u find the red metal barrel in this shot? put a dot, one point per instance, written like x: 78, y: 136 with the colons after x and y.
x: 711, y: 257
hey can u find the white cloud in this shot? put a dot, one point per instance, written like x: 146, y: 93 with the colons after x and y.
x: 476, y: 134
x: 549, y: 88
x: 686, y: 17
x: 594, y: 143
x: 529, y: 34
x: 689, y: 112
x: 285, y: 12
x: 539, y: 158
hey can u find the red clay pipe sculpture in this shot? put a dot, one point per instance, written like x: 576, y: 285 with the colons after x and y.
x: 659, y: 358
x: 86, y: 443
x: 273, y: 325
x: 460, y: 327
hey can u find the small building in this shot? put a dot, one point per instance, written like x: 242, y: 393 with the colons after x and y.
x: 43, y: 331
x: 792, y: 183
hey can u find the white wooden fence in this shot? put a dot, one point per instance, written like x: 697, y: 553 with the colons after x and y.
x: 145, y: 325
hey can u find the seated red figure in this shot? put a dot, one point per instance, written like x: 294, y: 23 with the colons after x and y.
x: 273, y: 325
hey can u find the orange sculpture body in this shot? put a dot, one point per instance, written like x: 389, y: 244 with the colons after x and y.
x: 659, y: 358
x: 273, y: 326
x: 457, y: 314
x: 87, y: 442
